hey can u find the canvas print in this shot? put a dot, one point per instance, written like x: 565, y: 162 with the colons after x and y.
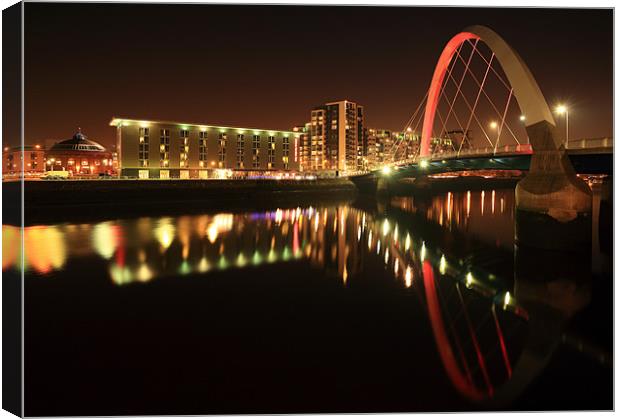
x: 215, y: 209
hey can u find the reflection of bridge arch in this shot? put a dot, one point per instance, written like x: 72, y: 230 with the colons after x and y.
x: 526, y: 90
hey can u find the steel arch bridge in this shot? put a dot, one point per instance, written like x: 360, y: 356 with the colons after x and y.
x: 522, y: 124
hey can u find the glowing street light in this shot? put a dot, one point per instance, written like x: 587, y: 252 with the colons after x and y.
x: 386, y: 170
x: 522, y: 118
x: 493, y: 125
x: 563, y: 110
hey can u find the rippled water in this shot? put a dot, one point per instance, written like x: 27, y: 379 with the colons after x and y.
x: 414, y: 304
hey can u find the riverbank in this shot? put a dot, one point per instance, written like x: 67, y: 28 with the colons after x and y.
x: 59, y: 200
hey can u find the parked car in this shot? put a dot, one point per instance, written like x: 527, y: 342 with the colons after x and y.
x: 56, y: 174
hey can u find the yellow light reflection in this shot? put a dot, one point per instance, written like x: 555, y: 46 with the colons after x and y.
x: 386, y: 227
x: 442, y: 265
x: 45, y: 248
x: 221, y: 223
x: 11, y: 247
x: 164, y: 232
x: 408, y: 277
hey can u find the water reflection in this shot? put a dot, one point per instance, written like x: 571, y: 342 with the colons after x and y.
x: 481, y: 324
x: 487, y: 215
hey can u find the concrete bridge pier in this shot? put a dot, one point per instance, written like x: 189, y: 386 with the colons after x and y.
x: 554, y: 206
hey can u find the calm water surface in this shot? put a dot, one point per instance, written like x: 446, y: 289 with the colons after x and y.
x: 413, y: 304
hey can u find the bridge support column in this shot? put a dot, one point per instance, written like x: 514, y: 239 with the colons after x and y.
x: 383, y: 186
x: 554, y: 206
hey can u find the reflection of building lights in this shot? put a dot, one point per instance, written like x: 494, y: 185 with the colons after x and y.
x: 278, y: 217
x: 45, y: 248
x: 387, y: 256
x: 506, y: 299
x: 442, y: 265
x: 203, y: 265
x: 241, y: 260
x: 120, y: 275
x: 378, y: 247
x: 396, y: 232
x: 469, y: 280
x: 423, y: 252
x: 408, y: 277
x: 105, y: 239
x: 144, y: 274
x: 359, y: 233
x: 185, y: 268
x: 369, y: 239
x: 272, y: 257
x: 407, y: 242
x: 164, y: 232
x: 256, y: 258
x: 386, y: 227
x: 395, y: 266
x: 221, y: 223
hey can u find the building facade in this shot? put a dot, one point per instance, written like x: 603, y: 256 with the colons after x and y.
x: 80, y: 157
x: 305, y: 157
x: 30, y: 159
x: 336, y: 137
x: 163, y: 149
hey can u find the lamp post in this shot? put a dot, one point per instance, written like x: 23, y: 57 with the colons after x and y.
x: 493, y: 126
x: 562, y: 109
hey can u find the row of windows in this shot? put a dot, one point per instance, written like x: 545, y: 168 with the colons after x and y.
x: 164, y: 148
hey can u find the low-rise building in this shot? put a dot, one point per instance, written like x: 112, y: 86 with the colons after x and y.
x: 30, y: 159
x: 80, y: 157
x: 165, y: 149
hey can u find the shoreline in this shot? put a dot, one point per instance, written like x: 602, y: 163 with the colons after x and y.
x: 61, y: 201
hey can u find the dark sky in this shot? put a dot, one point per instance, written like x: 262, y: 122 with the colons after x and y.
x: 267, y: 66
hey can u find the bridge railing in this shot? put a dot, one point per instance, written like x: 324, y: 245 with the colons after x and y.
x: 580, y: 144
x: 585, y: 143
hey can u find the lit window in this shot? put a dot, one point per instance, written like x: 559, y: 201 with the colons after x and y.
x: 202, y: 148
x: 164, y: 148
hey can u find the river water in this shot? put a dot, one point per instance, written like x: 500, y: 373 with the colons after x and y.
x: 410, y: 304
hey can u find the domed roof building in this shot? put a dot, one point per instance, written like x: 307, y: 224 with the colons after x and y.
x: 78, y: 142
x: 80, y: 156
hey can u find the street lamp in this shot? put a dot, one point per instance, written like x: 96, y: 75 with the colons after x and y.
x: 562, y: 109
x: 493, y: 126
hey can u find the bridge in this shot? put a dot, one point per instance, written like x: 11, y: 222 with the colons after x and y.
x: 588, y: 156
x: 482, y: 86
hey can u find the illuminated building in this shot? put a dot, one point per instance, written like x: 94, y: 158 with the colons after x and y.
x: 336, y: 137
x: 305, y: 157
x: 163, y: 149
x: 380, y: 143
x: 80, y: 156
x: 33, y: 160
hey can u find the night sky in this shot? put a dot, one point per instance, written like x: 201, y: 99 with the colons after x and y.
x: 267, y: 66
